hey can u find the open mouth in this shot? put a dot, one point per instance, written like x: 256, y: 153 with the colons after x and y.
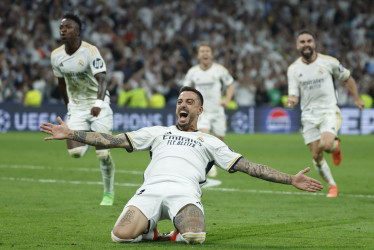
x: 307, y: 49
x: 183, y: 115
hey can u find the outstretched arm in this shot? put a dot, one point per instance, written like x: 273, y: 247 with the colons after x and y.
x: 229, y: 95
x: 300, y: 181
x: 60, y: 132
x: 352, y: 87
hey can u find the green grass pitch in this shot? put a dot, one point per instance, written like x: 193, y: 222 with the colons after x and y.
x: 49, y: 200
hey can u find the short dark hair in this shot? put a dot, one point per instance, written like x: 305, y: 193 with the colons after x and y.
x: 204, y: 43
x: 302, y: 32
x: 186, y: 88
x: 75, y: 18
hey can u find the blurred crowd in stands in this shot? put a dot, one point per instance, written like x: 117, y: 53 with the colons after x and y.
x: 149, y: 45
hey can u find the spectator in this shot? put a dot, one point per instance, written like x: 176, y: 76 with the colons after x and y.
x: 33, y: 98
x: 129, y: 35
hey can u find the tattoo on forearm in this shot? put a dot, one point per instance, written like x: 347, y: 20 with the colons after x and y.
x: 80, y: 136
x: 262, y: 171
x: 113, y: 140
x: 98, y: 139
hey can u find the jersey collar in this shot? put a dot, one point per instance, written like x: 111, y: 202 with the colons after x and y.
x: 185, y: 131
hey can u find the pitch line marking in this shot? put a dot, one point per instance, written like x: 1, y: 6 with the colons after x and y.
x: 207, y: 187
x: 63, y: 168
x: 209, y: 182
x: 65, y: 181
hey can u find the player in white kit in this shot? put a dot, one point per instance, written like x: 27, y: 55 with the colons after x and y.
x: 80, y: 71
x: 180, y: 157
x: 210, y: 79
x: 310, y: 77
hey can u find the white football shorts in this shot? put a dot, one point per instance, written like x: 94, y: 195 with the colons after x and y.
x: 214, y: 122
x: 317, y: 121
x: 162, y: 201
x: 81, y: 119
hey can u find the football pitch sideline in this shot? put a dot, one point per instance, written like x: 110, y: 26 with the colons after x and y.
x: 50, y: 200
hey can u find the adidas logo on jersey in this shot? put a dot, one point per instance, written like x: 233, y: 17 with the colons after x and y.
x: 61, y: 65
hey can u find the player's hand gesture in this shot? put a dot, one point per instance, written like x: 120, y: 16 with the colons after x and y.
x: 224, y: 104
x: 58, y: 132
x: 360, y: 104
x: 95, y: 111
x: 303, y: 182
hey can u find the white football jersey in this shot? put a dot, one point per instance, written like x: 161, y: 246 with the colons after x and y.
x: 180, y: 156
x: 78, y: 70
x: 314, y: 82
x: 210, y: 83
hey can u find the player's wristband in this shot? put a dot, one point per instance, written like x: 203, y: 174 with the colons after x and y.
x: 99, y: 103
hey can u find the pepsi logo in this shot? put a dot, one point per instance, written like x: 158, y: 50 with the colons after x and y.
x: 278, y: 120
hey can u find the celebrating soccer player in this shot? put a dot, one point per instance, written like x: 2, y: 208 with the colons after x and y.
x: 181, y: 156
x: 311, y: 78
x: 80, y: 71
x: 210, y: 78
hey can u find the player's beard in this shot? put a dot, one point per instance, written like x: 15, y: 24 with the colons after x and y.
x: 188, y: 124
x: 308, y: 55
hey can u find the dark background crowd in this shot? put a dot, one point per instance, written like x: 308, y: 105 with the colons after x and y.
x: 150, y: 44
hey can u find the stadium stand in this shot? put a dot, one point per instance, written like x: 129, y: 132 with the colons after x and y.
x: 253, y: 39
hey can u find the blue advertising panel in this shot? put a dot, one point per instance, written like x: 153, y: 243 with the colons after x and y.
x: 15, y: 117
x: 277, y: 120
x: 357, y: 121
x: 18, y: 118
x: 241, y: 121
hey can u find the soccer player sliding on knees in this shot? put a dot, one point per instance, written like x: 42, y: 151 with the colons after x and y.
x: 181, y: 157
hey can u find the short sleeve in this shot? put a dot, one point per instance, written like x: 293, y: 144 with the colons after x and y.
x: 226, y: 78
x: 188, y: 79
x: 97, y: 63
x: 293, y: 87
x: 55, y: 69
x: 143, y: 138
x: 339, y: 71
x: 225, y: 157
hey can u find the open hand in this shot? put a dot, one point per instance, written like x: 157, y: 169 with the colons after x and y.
x: 303, y: 182
x: 58, y: 132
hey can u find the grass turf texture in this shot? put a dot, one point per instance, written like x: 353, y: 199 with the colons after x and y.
x: 50, y: 200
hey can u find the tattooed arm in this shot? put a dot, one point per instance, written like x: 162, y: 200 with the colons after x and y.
x: 100, y: 139
x: 300, y: 181
x: 62, y: 131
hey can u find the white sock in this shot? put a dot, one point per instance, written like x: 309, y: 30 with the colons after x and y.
x: 334, y: 146
x: 78, y: 151
x: 180, y: 238
x: 107, y: 168
x: 118, y: 240
x: 193, y: 238
x: 323, y: 169
x: 150, y: 235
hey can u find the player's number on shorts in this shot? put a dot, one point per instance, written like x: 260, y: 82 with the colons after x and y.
x: 140, y: 192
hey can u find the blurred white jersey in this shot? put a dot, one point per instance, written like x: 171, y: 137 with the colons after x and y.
x: 178, y: 156
x: 210, y: 83
x: 314, y: 82
x: 79, y: 70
